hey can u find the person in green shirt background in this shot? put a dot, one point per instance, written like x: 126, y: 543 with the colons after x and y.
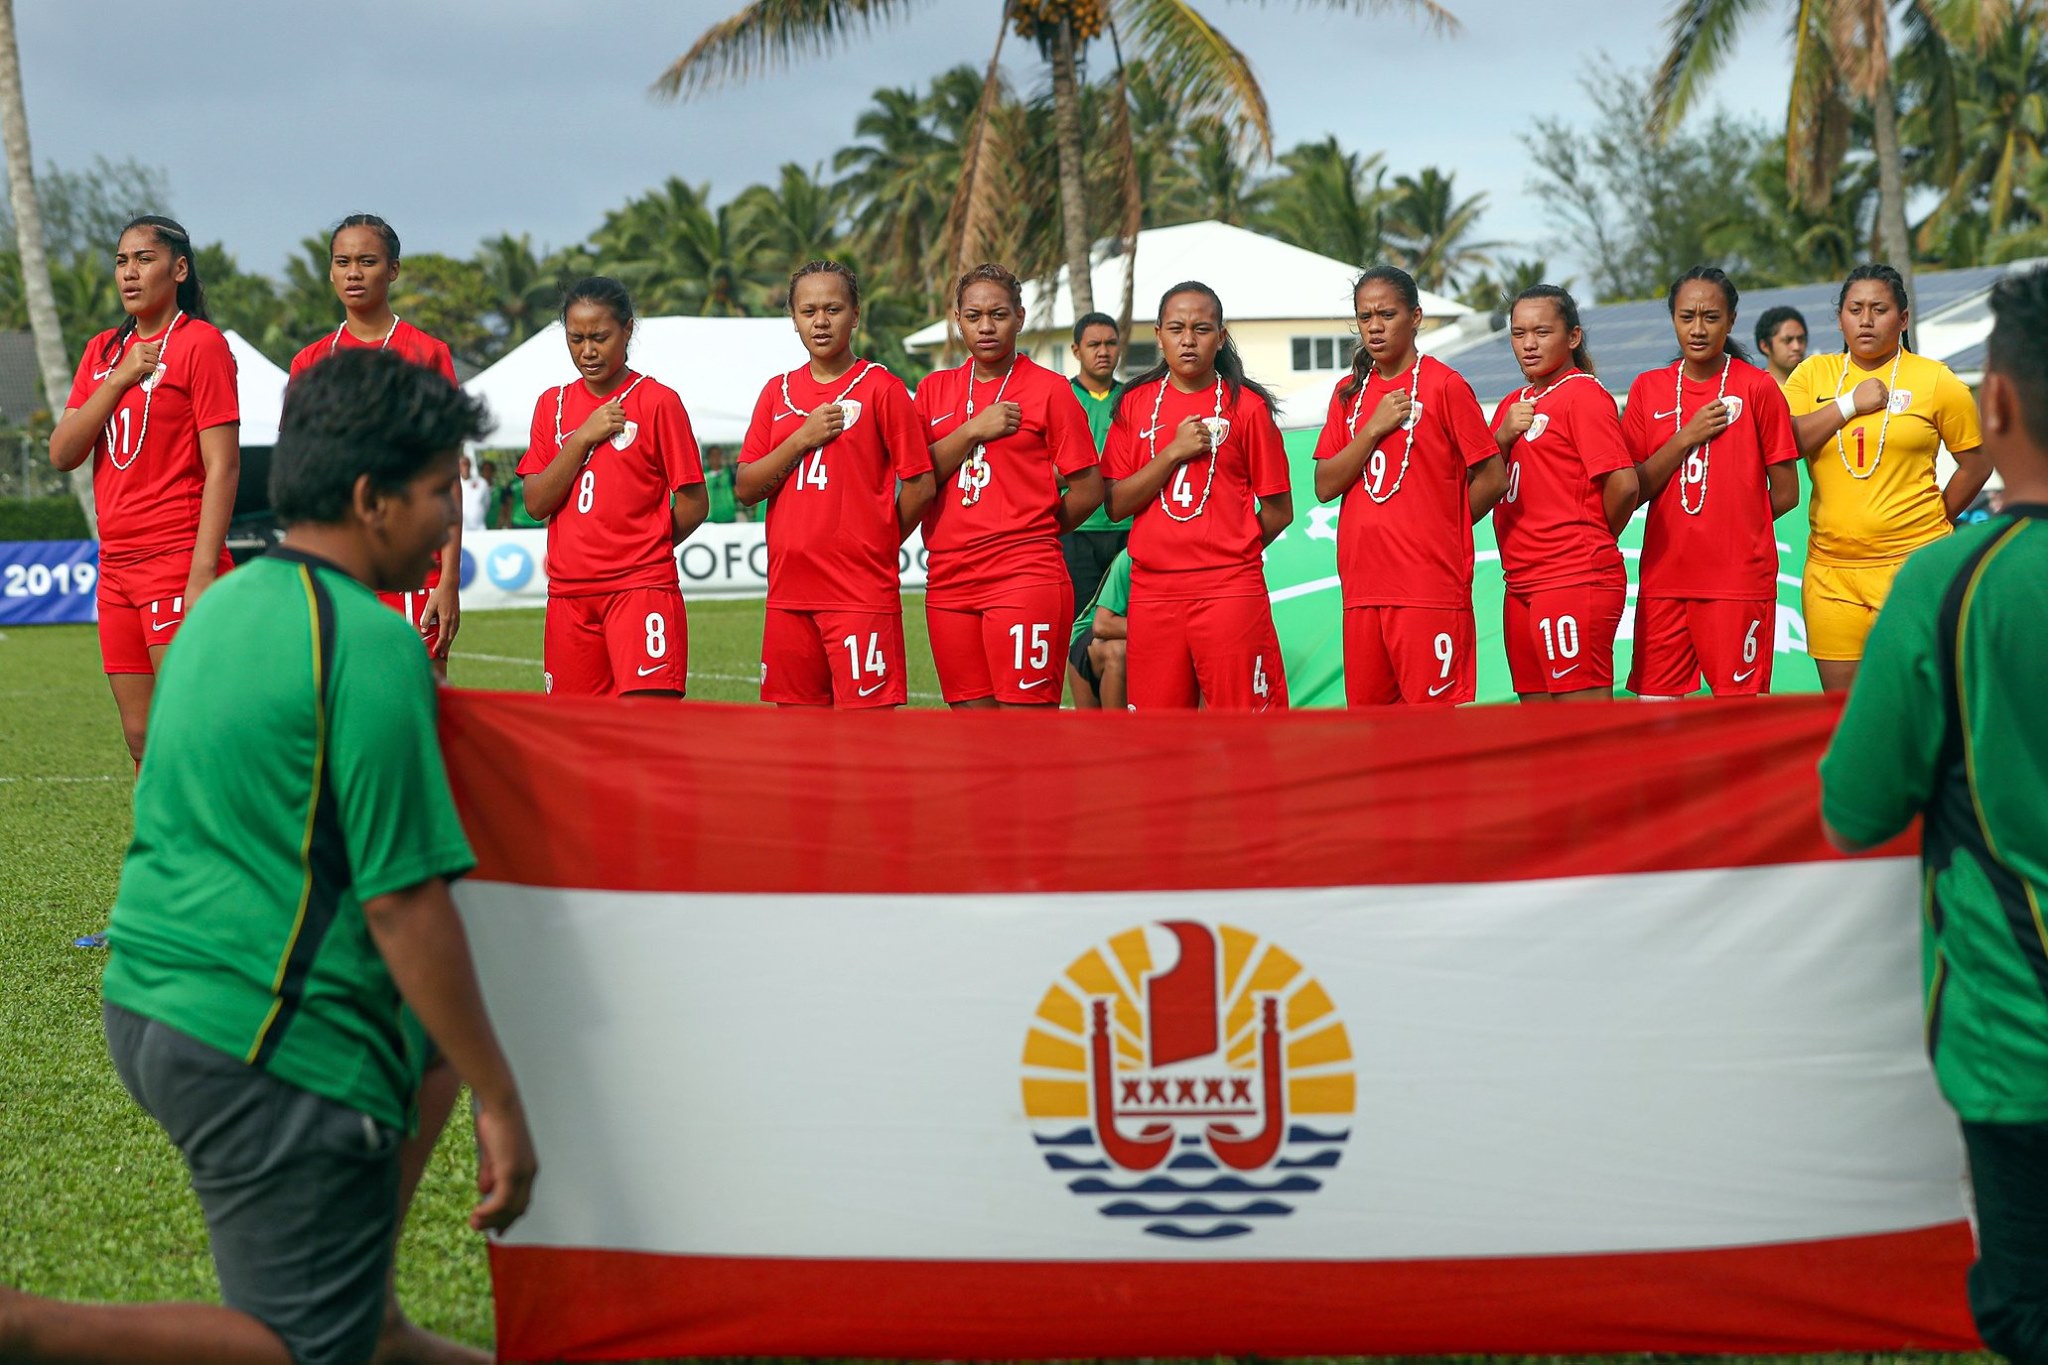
x: 286, y: 891
x: 1095, y: 654
x: 1089, y: 547
x: 718, y: 485
x: 1945, y: 723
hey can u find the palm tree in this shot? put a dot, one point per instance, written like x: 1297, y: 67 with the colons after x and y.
x: 37, y: 292
x: 1434, y: 228
x: 525, y: 289
x: 799, y: 218
x: 896, y: 173
x: 1841, y: 54
x: 1330, y: 201
x: 1213, y: 77
x: 1984, y: 119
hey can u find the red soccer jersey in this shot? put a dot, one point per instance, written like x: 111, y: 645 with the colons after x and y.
x: 615, y: 531
x: 1709, y: 532
x: 832, y: 532
x: 1404, y: 534
x: 147, y: 477
x: 1200, y: 536
x: 1006, y: 534
x: 1551, y: 524
x: 405, y: 339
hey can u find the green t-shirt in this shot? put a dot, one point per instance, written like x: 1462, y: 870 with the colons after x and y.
x: 1101, y: 412
x: 292, y: 772
x: 718, y: 487
x: 1114, y: 596
x: 1945, y: 721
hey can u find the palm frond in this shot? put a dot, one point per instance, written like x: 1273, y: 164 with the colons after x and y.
x: 1435, y: 18
x: 1702, y: 34
x: 1817, y: 118
x: 971, y: 219
x: 1189, y: 54
x: 769, y: 34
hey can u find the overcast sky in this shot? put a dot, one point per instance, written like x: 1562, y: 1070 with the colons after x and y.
x: 460, y: 119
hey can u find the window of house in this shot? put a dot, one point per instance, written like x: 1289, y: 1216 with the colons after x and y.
x: 1324, y: 353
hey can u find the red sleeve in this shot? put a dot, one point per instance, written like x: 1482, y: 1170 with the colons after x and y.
x: 925, y: 402
x: 1464, y: 419
x: 760, y: 427
x: 215, y: 403
x: 1334, y: 437
x: 303, y: 361
x: 1635, y: 421
x: 1067, y: 437
x: 1266, y: 451
x: 677, y: 441
x: 540, y: 441
x: 1120, y: 455
x: 1774, y: 435
x: 444, y: 362
x: 1596, y: 433
x: 82, y: 383
x: 1500, y: 417
x: 902, y: 432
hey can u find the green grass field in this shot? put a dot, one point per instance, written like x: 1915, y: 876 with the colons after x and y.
x: 93, y: 1202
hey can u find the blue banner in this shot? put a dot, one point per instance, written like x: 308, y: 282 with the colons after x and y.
x: 49, y: 582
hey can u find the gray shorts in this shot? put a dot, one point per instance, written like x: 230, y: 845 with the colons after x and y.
x: 300, y: 1193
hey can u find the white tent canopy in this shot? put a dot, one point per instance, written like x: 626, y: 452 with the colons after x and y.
x: 717, y: 365
x: 1256, y: 276
x: 259, y: 388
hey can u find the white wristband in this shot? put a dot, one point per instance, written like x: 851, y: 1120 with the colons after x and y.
x: 1846, y: 405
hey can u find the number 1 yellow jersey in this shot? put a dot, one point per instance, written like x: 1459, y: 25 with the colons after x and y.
x: 1869, y: 507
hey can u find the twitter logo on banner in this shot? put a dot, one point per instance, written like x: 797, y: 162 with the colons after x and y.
x: 509, y: 566
x: 468, y: 568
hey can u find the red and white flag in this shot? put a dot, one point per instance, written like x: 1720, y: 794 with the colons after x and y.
x: 1544, y: 1030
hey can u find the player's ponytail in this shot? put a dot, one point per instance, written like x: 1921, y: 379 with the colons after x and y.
x: 1714, y: 275
x: 1229, y: 364
x: 1568, y: 309
x: 1403, y: 284
x: 172, y: 237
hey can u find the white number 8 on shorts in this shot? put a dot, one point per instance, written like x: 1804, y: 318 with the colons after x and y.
x: 657, y: 635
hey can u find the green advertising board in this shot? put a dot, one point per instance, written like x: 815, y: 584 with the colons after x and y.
x: 1301, y: 574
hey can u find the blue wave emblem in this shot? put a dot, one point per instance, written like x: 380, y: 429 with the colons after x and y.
x: 1197, y: 1208
x: 1175, y: 1230
x: 1229, y: 1184
x: 1060, y: 1161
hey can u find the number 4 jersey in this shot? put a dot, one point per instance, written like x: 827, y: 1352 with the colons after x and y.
x: 615, y: 530
x: 832, y: 529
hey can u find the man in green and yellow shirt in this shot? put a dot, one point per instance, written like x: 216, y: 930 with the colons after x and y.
x: 1089, y: 547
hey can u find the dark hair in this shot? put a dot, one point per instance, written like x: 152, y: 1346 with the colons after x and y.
x: 191, y: 293
x: 1891, y: 278
x: 2019, y: 312
x: 1714, y: 275
x: 605, y: 292
x: 1567, y: 308
x: 363, y: 412
x: 1361, y: 359
x: 1087, y: 320
x: 1773, y: 318
x: 371, y: 221
x: 990, y: 273
x: 826, y: 268
x: 1229, y: 364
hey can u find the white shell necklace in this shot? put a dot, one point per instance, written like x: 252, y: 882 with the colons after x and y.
x: 149, y: 386
x: 1575, y: 374
x: 1686, y: 470
x: 975, y: 472
x: 560, y: 435
x: 790, y: 409
x: 335, y: 340
x: 1152, y: 435
x: 1890, y: 387
x: 1414, y: 417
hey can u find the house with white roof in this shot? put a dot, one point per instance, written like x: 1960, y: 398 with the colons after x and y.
x: 1289, y: 310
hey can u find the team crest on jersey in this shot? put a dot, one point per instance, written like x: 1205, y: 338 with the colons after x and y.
x: 1190, y: 1081
x: 851, y: 407
x: 1901, y: 399
x: 626, y: 435
x: 1733, y: 402
x: 1219, y: 431
x: 1538, y: 424
x: 1414, y: 415
x: 153, y: 378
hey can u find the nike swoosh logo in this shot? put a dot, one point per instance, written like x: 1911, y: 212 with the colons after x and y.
x: 1557, y: 673
x: 98, y: 375
x: 1744, y: 676
x: 937, y: 420
x: 656, y: 669
x: 870, y: 691
x: 159, y: 625
x: 1026, y: 687
x: 1441, y: 688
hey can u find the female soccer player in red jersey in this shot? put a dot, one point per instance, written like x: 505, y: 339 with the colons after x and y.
x: 1712, y: 438
x: 154, y: 408
x: 362, y: 266
x: 1571, y: 488
x: 1406, y: 446
x: 1195, y: 455
x: 1008, y: 432
x: 838, y: 451
x: 612, y: 466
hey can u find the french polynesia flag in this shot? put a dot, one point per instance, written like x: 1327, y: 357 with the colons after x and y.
x: 1545, y: 1030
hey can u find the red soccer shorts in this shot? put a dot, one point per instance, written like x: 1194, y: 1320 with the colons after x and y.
x: 1422, y: 656
x: 849, y: 659
x: 611, y: 643
x: 413, y: 607
x: 1562, y: 639
x: 141, y: 607
x: 1680, y: 639
x: 1014, y: 651
x: 1221, y: 652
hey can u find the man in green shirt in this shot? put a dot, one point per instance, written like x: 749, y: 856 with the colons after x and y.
x: 1089, y: 547
x: 286, y: 894
x: 1945, y: 723
x: 1095, y: 654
